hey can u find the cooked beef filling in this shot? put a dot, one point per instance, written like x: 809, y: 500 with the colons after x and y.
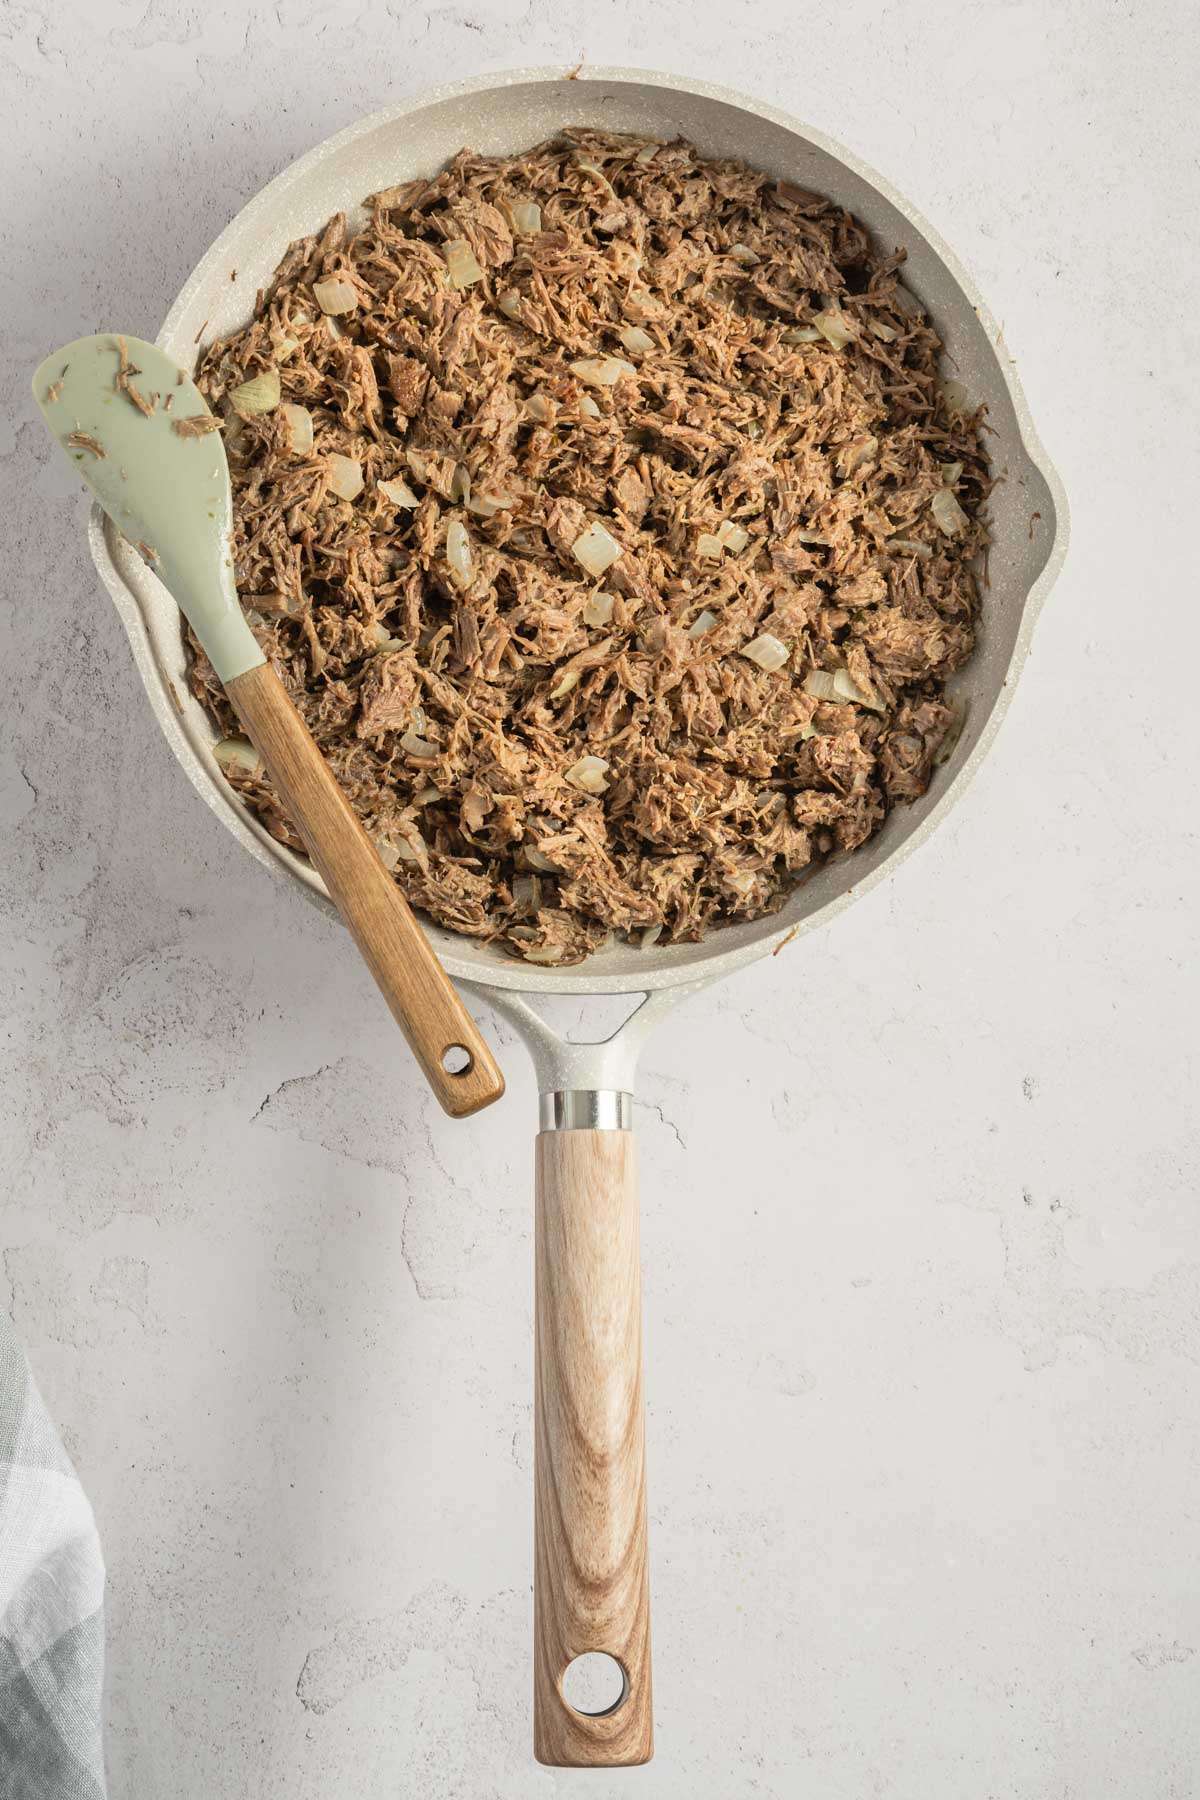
x: 604, y: 513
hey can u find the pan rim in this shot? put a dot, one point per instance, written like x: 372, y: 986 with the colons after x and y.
x: 765, y: 936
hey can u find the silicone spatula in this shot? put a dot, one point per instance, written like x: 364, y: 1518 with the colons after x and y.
x: 140, y: 434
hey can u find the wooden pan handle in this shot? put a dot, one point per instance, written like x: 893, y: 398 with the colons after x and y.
x: 422, y: 999
x: 591, y: 1589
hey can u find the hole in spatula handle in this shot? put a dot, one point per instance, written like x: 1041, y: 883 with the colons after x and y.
x: 457, y: 1060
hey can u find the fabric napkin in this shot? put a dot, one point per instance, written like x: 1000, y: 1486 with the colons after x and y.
x: 51, y: 1604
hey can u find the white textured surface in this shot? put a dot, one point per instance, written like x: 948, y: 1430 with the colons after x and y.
x: 922, y: 1289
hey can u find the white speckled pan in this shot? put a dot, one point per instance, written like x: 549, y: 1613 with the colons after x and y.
x: 590, y: 1572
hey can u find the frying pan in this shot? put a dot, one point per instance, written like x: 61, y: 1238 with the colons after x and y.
x: 590, y: 1581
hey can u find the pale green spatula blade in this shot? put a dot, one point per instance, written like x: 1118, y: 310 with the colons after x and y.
x: 165, y: 487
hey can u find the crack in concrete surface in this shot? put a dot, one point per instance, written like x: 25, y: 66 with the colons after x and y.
x: 654, y: 1107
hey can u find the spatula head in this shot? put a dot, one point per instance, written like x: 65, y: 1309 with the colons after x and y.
x: 139, y: 432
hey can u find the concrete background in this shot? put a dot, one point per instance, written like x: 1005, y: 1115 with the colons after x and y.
x: 921, y: 1247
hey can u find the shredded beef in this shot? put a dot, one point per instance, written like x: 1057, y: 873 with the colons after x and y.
x: 726, y: 375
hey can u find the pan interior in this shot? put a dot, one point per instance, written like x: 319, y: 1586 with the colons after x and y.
x: 507, y: 114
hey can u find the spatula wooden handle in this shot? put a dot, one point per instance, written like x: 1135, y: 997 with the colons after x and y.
x: 591, y: 1588
x: 420, y: 994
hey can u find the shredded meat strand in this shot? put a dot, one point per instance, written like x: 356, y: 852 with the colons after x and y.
x: 729, y: 470
x: 199, y: 425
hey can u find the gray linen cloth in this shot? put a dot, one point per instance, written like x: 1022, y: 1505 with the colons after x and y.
x: 51, y: 1604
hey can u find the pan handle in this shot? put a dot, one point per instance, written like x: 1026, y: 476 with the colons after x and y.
x: 591, y: 1591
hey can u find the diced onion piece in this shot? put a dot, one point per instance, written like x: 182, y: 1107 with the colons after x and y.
x: 299, y: 428
x: 258, y: 395
x: 647, y: 153
x: 563, y: 686
x: 709, y: 546
x: 345, y: 476
x: 596, y: 549
x: 955, y: 396
x: 588, y: 775
x: 526, y: 217
x: 635, y: 340
x: 486, y: 506
x: 336, y: 295
x: 458, y: 553
x: 389, y: 856
x: 542, y: 864
x: 810, y: 537
x: 588, y: 407
x: 820, y: 685
x: 538, y: 408
x: 460, y: 482
x: 734, y: 537
x: 807, y: 730
x: 409, y: 848
x: 591, y: 167
x: 857, y: 455
x: 602, y: 371
x: 834, y: 326
x: 428, y: 796
x: 418, y: 464
x: 414, y: 745
x: 598, y: 610
x: 800, y: 334
x: 640, y: 302
x: 651, y: 935
x: 461, y: 266
x: 398, y: 493
x: 384, y: 639
x: 767, y: 652
x: 284, y: 347
x: 949, y: 514
x: 236, y: 755
x: 846, y: 688
x: 525, y: 893
x: 510, y: 303
x: 702, y: 623
x: 742, y: 882
x: 910, y: 547
x: 742, y: 253
x: 883, y: 332
x: 951, y: 473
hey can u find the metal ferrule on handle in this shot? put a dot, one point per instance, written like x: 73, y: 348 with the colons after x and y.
x: 585, y: 1109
